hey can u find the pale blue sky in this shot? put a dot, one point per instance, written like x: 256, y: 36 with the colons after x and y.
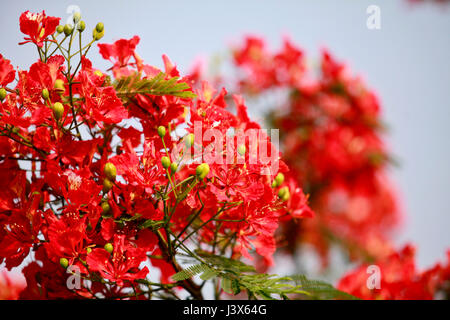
x: 406, y: 62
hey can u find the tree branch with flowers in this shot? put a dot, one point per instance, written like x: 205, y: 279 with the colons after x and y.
x: 107, y: 178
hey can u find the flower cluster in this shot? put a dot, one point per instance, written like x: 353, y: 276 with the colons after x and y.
x: 331, y: 134
x: 330, y: 130
x: 111, y: 178
x: 399, y: 279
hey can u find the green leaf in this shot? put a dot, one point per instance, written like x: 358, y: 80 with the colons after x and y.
x: 235, y: 286
x: 208, y: 274
x: 192, y: 271
x: 319, y: 289
x: 152, y: 224
x: 128, y: 87
x: 225, y: 264
x: 237, y: 276
x: 226, y: 285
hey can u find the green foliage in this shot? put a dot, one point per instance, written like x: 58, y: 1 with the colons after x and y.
x: 236, y: 276
x: 226, y: 264
x: 128, y: 87
x: 207, y: 272
x: 152, y: 224
x: 320, y: 289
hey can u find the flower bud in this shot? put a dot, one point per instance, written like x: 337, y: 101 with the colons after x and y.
x: 110, y: 171
x: 202, y: 171
x: 64, y: 263
x: 60, y: 29
x: 173, y: 167
x: 76, y: 17
x: 165, y: 161
x: 107, y: 185
x: 284, y: 194
x: 106, y: 208
x: 97, y: 35
x: 161, y: 131
x: 59, y: 85
x: 58, y: 110
x: 189, y: 140
x: 109, y: 247
x: 278, y: 181
x: 81, y: 26
x: 100, y: 27
x: 68, y: 29
x: 2, y: 94
x: 241, y: 149
x: 45, y: 93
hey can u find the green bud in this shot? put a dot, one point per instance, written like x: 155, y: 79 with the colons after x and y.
x: 107, y: 185
x: 241, y: 149
x: 109, y: 247
x: 58, y: 110
x: 68, y: 29
x: 3, y: 94
x: 88, y: 250
x: 278, y: 181
x: 173, y: 167
x: 59, y: 29
x: 110, y: 171
x: 106, y: 208
x: 165, y: 161
x: 76, y: 17
x: 97, y: 35
x: 64, y: 263
x: 59, y: 85
x: 81, y: 26
x: 161, y: 131
x: 284, y: 194
x: 100, y: 27
x: 202, y: 171
x: 45, y: 93
x: 189, y: 140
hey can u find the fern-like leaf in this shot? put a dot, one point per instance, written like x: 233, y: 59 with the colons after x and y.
x: 317, y: 289
x: 128, y: 87
x: 193, y: 270
x: 237, y: 276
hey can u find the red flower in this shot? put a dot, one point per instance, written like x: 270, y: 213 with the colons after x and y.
x: 398, y: 279
x: 19, y: 232
x: 102, y: 104
x: 7, y: 72
x: 120, y: 53
x: 66, y: 236
x: 38, y: 26
x: 122, y: 264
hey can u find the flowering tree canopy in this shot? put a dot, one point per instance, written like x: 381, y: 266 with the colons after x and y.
x: 332, y: 139
x: 141, y: 183
x: 112, y: 178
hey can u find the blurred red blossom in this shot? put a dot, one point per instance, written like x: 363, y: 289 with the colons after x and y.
x: 399, y: 279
